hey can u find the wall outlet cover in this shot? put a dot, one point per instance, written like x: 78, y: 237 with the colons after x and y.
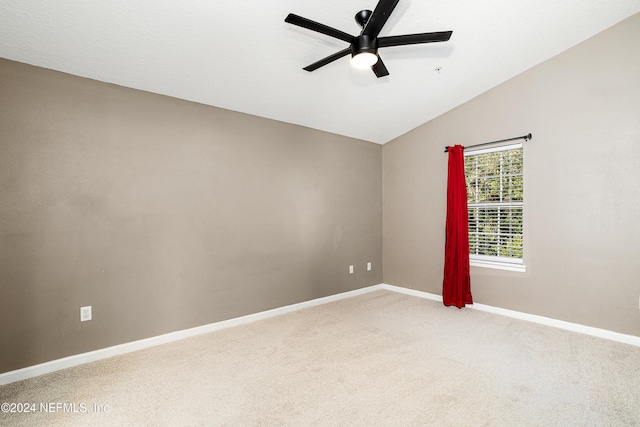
x: 85, y: 313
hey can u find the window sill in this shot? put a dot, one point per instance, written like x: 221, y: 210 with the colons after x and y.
x: 521, y: 268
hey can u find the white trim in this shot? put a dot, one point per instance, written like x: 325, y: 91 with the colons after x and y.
x: 547, y: 321
x: 492, y: 150
x: 495, y: 259
x: 93, y: 356
x: 521, y: 268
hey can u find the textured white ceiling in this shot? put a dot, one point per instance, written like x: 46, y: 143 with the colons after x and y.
x: 242, y: 56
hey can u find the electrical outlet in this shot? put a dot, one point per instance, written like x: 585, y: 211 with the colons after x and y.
x: 351, y: 269
x: 368, y: 266
x: 85, y: 313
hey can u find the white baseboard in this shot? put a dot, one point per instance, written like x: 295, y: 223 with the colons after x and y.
x: 561, y: 324
x: 93, y: 356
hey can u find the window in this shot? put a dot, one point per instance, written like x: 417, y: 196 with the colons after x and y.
x: 495, y: 202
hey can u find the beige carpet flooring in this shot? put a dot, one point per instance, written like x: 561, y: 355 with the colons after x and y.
x: 377, y: 359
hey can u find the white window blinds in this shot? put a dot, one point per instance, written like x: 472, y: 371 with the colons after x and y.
x: 495, y: 202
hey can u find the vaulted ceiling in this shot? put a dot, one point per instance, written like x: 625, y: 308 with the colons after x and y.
x: 242, y: 56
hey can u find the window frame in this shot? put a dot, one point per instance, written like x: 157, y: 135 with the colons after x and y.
x: 497, y: 262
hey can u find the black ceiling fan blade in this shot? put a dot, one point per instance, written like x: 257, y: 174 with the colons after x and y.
x: 316, y: 26
x: 440, y: 36
x: 379, y: 17
x: 328, y: 60
x: 379, y: 68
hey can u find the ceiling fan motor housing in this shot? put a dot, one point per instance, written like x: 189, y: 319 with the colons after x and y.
x: 363, y: 43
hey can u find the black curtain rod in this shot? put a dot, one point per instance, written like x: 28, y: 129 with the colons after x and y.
x: 525, y: 137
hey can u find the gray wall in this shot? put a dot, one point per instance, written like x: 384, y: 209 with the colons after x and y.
x: 582, y: 186
x: 164, y: 214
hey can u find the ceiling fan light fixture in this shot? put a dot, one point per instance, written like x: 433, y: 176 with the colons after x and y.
x: 364, y: 48
x: 364, y: 51
x: 364, y: 60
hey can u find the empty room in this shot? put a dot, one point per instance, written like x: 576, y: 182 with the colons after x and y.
x: 362, y: 212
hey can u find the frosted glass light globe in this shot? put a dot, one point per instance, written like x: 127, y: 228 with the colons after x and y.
x: 364, y: 60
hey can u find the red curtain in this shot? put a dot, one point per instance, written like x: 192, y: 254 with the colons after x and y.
x: 456, y: 286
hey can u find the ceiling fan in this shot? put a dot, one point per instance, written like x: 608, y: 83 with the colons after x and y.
x: 364, y: 48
